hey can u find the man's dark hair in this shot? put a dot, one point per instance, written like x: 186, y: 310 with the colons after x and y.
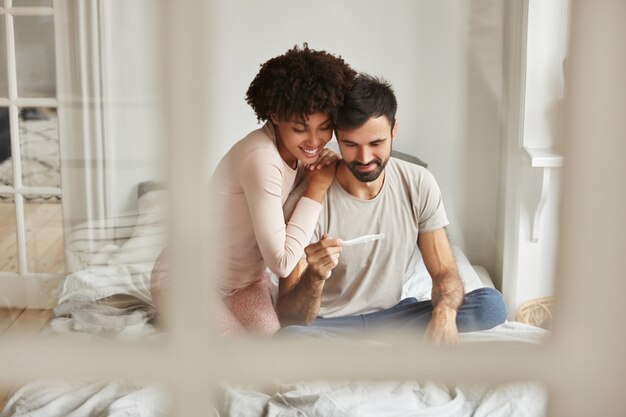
x: 300, y: 82
x: 369, y: 97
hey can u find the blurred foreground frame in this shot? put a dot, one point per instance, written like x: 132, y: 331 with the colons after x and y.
x: 582, y: 365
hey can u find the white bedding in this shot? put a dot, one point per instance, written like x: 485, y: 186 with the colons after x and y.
x: 418, y: 284
x: 126, y: 317
x: 386, y: 399
x: 351, y: 398
x: 88, y: 309
x: 113, y: 301
x: 78, y: 398
x: 397, y: 398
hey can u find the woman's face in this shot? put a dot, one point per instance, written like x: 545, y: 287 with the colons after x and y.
x: 302, y: 139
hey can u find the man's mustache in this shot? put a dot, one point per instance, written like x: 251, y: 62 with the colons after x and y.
x: 375, y: 161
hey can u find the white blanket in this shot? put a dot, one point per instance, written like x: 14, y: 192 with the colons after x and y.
x: 397, y: 398
x: 382, y: 399
x: 86, y: 399
x: 120, y: 310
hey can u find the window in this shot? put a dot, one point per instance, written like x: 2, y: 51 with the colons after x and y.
x: 30, y: 175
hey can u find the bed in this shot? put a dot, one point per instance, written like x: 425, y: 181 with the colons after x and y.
x: 109, y: 298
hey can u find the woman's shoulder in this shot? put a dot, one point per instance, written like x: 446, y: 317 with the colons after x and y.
x: 257, y: 147
x: 258, y: 141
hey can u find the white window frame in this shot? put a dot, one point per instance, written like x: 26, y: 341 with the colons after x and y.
x: 24, y: 288
x: 582, y: 364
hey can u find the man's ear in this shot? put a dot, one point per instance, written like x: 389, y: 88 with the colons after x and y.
x: 394, y: 130
x: 273, y: 119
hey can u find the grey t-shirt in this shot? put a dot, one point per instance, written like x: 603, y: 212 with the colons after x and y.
x: 369, y: 276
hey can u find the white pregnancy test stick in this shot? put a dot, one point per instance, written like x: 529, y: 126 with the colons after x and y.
x: 362, y: 239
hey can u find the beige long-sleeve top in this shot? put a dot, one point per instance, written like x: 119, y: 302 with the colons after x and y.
x: 250, y: 185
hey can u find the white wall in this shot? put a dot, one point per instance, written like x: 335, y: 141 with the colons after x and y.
x: 444, y: 59
x: 543, y: 121
x: 109, y: 111
x: 528, y: 266
x: 134, y: 126
x: 547, y: 51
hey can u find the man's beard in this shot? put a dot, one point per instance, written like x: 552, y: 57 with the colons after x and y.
x: 370, y: 175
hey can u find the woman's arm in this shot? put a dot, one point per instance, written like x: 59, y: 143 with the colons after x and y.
x: 281, y: 245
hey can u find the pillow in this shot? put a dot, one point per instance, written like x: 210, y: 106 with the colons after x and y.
x: 418, y: 283
x: 149, y: 235
x: 147, y: 186
x: 409, y: 158
x: 120, y: 268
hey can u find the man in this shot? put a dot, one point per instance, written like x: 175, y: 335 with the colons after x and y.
x: 344, y: 290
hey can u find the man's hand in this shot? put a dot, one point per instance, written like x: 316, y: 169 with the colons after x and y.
x: 322, y: 257
x: 447, y: 293
x: 300, y: 294
x: 442, y: 327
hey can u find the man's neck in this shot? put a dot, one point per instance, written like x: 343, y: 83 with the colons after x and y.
x: 356, y: 188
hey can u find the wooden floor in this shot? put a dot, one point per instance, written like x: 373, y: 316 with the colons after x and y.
x: 44, y: 237
x: 20, y: 321
x: 44, y: 250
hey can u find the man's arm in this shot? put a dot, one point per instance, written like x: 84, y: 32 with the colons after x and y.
x: 300, y: 294
x: 448, y: 293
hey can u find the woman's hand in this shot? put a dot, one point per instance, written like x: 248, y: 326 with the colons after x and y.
x: 325, y: 158
x: 319, y: 180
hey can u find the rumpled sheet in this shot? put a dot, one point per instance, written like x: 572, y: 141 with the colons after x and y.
x: 86, y: 399
x: 120, y: 316
x: 397, y: 398
x: 129, y: 317
x: 386, y: 399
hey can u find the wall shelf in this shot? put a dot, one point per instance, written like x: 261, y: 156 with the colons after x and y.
x: 544, y: 160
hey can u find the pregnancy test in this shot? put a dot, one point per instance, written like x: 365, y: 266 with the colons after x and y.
x: 362, y: 239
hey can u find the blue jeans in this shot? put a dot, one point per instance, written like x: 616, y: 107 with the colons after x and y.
x: 482, y: 309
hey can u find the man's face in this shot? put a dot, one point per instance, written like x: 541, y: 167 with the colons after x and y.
x: 366, y: 149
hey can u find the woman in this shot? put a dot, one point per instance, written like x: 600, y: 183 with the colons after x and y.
x: 297, y: 95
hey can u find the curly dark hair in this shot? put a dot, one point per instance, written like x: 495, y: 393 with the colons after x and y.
x: 300, y: 82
